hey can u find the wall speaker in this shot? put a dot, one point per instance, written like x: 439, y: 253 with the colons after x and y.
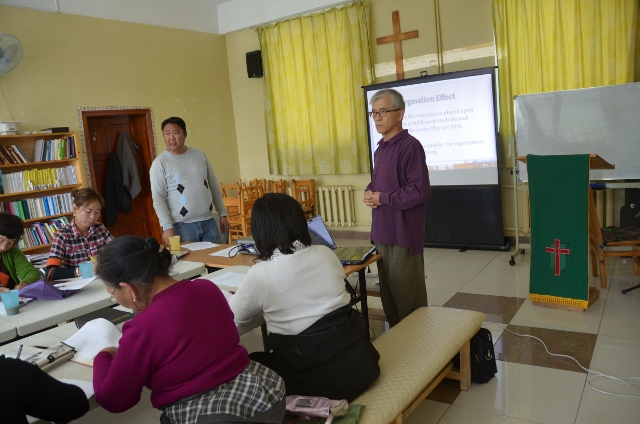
x: 254, y: 64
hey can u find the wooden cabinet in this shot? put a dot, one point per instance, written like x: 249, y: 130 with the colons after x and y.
x: 40, y: 198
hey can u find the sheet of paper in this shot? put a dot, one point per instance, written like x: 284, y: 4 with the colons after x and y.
x: 93, y: 337
x: 75, y: 284
x: 201, y: 245
x: 86, y: 386
x: 27, y: 350
x: 223, y: 252
x: 232, y: 279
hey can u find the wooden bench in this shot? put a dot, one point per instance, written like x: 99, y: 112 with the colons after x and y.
x: 415, y: 356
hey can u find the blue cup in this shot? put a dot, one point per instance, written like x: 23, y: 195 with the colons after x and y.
x: 86, y: 269
x: 11, y: 301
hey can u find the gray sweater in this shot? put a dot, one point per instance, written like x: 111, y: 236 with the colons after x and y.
x: 184, y: 188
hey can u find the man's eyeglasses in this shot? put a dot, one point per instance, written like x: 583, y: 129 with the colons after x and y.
x: 382, y: 112
x: 112, y: 293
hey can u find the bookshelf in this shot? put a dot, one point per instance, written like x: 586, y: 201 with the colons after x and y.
x: 41, y: 204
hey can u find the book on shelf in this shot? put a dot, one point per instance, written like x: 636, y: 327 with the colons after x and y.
x: 25, y: 209
x: 20, y: 211
x: 14, y: 156
x: 4, y: 159
x: 39, y: 232
x: 18, y: 151
x: 37, y: 150
x: 72, y: 147
x: 7, y: 155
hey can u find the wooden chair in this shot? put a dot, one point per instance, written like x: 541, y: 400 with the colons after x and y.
x: 304, y: 191
x: 600, y: 239
x: 277, y: 186
x: 230, y: 195
x: 259, y: 183
x: 240, y: 223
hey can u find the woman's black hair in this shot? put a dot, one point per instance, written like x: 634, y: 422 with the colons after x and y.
x: 277, y: 221
x: 11, y: 226
x: 133, y: 260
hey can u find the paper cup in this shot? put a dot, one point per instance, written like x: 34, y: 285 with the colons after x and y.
x: 11, y: 301
x: 86, y: 269
x: 174, y: 243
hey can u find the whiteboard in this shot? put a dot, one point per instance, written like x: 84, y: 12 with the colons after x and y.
x: 600, y: 120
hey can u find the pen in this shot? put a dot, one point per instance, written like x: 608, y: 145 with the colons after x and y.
x: 19, y: 352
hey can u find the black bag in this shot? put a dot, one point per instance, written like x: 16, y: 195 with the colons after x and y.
x: 483, y: 359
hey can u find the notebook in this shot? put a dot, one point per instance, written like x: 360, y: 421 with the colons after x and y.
x: 347, y: 255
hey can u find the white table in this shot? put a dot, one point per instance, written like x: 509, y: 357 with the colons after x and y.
x: 7, y: 332
x: 40, y: 314
x: 182, y: 270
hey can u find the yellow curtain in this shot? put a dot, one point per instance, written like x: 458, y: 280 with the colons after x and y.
x: 314, y: 68
x: 551, y: 45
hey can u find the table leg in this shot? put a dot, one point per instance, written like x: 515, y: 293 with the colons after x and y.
x: 363, y: 298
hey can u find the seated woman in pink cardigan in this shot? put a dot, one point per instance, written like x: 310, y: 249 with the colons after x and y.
x: 183, y: 345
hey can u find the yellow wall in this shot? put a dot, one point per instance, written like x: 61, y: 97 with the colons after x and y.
x: 464, y: 23
x: 73, y: 61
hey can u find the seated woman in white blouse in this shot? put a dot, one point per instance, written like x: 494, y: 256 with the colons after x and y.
x: 320, y: 345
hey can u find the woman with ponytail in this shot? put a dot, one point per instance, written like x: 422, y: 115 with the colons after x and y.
x: 183, y: 345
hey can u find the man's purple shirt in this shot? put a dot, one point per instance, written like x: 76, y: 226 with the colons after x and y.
x: 401, y: 176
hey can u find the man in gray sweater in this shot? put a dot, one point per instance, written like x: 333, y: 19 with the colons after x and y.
x: 185, y: 189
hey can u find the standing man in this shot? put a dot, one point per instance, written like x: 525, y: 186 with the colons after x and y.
x: 397, y: 194
x: 185, y: 189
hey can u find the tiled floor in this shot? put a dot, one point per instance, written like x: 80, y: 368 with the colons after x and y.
x: 531, y: 386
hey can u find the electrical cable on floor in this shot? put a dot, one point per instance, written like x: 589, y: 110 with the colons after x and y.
x: 623, y: 380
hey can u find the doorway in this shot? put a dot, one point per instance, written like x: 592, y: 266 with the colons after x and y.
x: 101, y: 129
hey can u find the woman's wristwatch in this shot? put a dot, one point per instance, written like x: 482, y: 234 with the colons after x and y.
x: 77, y: 272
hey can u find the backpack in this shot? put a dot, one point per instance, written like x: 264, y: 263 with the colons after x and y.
x: 483, y: 359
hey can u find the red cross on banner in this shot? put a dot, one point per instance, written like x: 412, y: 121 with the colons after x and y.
x: 557, y: 251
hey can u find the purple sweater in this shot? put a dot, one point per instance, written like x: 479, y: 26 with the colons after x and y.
x: 401, y: 176
x: 184, y: 343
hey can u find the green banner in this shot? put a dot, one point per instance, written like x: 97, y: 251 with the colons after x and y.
x: 558, y: 190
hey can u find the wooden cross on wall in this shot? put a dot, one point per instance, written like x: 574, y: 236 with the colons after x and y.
x: 397, y: 38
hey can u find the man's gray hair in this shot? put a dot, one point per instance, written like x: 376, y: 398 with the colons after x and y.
x: 397, y: 101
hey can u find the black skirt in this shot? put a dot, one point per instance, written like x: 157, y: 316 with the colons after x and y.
x: 332, y: 358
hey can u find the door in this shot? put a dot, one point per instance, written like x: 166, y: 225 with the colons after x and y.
x: 102, y: 129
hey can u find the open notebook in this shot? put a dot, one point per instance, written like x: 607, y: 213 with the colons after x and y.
x: 347, y: 255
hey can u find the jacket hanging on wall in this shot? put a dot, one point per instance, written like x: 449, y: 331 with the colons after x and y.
x: 127, y: 152
x: 116, y: 195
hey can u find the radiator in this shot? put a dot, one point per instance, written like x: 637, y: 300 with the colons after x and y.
x: 335, y: 205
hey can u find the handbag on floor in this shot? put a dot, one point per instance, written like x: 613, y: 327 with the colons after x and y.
x: 483, y: 359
